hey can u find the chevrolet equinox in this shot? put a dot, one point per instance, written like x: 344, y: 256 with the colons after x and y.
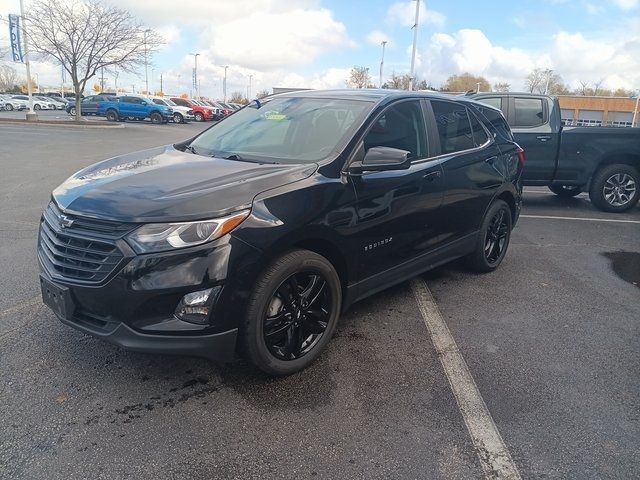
x: 253, y: 236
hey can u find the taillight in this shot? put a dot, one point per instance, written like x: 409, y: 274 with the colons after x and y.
x: 521, y: 156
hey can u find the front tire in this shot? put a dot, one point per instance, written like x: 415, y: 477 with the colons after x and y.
x: 615, y: 188
x: 72, y: 111
x: 112, y: 115
x: 493, y: 240
x: 9, y: 107
x: 199, y: 117
x: 178, y: 118
x: 37, y: 107
x: 565, y: 191
x: 291, y: 313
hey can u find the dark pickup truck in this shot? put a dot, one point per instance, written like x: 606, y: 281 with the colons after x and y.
x: 604, y: 161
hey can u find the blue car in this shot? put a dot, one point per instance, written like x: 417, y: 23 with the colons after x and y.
x: 132, y: 107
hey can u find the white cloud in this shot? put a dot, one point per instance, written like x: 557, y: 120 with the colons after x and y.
x: 376, y: 37
x: 404, y: 13
x: 265, y: 40
x: 571, y: 55
x: 626, y: 4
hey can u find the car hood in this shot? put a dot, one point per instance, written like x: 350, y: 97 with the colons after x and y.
x: 178, y: 108
x: 164, y: 184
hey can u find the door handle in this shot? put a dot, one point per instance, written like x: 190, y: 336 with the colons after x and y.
x: 431, y: 176
x: 544, y: 138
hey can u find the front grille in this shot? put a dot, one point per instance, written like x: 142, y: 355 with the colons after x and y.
x: 79, y: 248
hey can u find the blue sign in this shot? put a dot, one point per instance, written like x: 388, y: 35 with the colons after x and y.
x: 15, y: 38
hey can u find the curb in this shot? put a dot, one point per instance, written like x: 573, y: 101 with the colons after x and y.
x: 61, y: 123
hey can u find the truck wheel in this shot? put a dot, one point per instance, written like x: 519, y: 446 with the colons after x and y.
x: 615, y: 188
x: 112, y: 115
x: 291, y: 313
x: 565, y: 191
x: 493, y: 239
x: 199, y: 117
x: 156, y: 118
x: 178, y: 118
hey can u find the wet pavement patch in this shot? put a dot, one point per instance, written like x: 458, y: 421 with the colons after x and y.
x: 626, y: 265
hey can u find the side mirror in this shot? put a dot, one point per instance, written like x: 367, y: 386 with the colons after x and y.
x: 379, y: 159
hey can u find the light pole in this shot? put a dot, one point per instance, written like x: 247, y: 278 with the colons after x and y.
x: 384, y: 43
x: 415, y: 42
x: 477, y: 87
x: 37, y: 82
x: 635, y: 111
x: 146, y: 62
x: 249, y: 90
x: 31, y: 115
x: 546, y: 88
x: 195, y: 73
x: 224, y: 84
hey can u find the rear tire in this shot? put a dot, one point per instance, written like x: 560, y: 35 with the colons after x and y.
x: 112, y: 115
x: 565, y: 191
x: 615, y: 188
x: 37, y: 107
x: 72, y: 111
x: 291, y: 313
x: 493, y: 238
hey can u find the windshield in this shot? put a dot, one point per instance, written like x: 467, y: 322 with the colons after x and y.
x: 171, y: 103
x: 290, y: 130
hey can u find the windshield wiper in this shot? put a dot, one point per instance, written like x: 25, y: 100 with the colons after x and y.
x: 191, y: 149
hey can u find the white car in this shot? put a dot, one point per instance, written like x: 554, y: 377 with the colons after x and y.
x: 12, y: 103
x: 180, y: 114
x: 52, y: 101
x: 37, y: 104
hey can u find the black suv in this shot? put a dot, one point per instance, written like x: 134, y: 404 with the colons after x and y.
x: 256, y: 234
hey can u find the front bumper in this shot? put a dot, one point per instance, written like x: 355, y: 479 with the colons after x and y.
x: 134, y: 306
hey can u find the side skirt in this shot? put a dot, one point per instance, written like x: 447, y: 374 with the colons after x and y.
x: 409, y: 269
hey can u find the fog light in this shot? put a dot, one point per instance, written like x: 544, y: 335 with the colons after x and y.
x: 196, y: 306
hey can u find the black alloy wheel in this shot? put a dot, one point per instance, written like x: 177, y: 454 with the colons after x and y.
x: 297, y: 316
x: 496, y: 237
x: 493, y: 238
x: 291, y: 313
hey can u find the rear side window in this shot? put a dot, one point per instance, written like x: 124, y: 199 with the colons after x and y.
x: 497, y: 121
x: 480, y: 136
x: 454, y: 128
x: 529, y: 112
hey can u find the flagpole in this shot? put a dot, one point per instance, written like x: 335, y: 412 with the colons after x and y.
x: 31, y: 115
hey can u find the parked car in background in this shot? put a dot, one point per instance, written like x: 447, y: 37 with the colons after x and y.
x: 226, y: 109
x: 217, y: 109
x: 57, y: 104
x: 89, y: 105
x: 37, y: 104
x: 200, y: 112
x: 257, y: 234
x: 180, y: 114
x: 603, y: 161
x: 134, y: 108
x: 235, y: 106
x: 13, y: 103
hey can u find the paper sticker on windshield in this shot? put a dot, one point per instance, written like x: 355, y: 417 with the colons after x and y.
x: 273, y: 115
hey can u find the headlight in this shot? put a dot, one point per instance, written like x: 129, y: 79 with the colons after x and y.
x: 158, y: 237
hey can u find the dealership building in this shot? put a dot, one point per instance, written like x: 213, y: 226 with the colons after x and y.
x: 587, y: 111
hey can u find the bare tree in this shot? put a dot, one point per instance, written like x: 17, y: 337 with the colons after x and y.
x: 501, y: 87
x: 263, y: 93
x: 465, y: 82
x: 87, y: 35
x: 596, y: 87
x: 359, y: 78
x: 536, y: 81
x: 402, y: 82
x: 584, y: 88
x: 238, y: 97
x: 8, y: 78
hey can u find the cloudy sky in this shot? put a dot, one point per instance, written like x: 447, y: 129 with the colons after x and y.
x: 314, y: 43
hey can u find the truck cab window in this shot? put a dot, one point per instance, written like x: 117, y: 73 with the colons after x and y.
x: 529, y: 112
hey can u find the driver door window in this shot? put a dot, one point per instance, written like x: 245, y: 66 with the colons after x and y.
x: 400, y: 126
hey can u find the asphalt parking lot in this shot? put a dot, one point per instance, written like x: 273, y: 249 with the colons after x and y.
x: 551, y: 342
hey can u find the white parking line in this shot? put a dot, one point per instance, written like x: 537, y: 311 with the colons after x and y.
x: 606, y: 220
x: 492, y: 452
